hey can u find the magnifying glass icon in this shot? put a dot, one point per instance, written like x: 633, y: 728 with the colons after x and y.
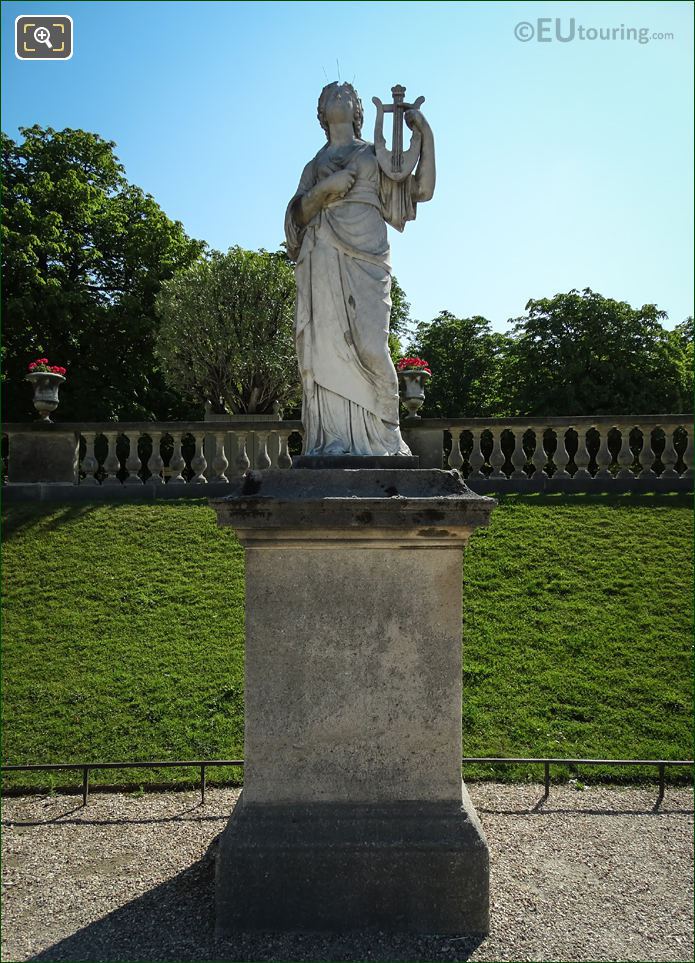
x: 43, y: 35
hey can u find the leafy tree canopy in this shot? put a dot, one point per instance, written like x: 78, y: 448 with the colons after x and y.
x: 84, y: 255
x: 465, y: 357
x: 582, y: 353
x: 226, y: 334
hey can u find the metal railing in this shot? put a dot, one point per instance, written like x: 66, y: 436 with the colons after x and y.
x: 204, y: 764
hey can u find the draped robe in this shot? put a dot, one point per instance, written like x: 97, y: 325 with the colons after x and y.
x: 343, y: 272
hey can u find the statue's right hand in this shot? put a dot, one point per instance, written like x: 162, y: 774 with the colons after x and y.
x: 338, y: 184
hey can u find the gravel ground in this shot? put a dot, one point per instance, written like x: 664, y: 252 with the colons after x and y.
x: 591, y: 875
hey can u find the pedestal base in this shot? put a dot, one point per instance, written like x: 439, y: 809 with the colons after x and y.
x: 388, y: 462
x: 405, y: 867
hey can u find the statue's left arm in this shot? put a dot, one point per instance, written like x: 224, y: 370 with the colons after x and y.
x: 425, y: 174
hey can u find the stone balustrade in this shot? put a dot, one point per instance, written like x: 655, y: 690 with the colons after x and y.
x: 587, y: 453
x: 650, y: 452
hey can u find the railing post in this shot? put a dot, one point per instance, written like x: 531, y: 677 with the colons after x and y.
x: 155, y: 463
x: 243, y: 462
x: 219, y: 462
x: 560, y: 457
x: 582, y: 457
x: 519, y: 455
x: 262, y: 456
x: 476, y: 459
x: 284, y: 457
x: 646, y: 456
x: 177, y: 462
x: 604, y: 458
x: 90, y: 465
x: 539, y: 457
x: 198, y: 462
x: 455, y: 456
x: 111, y: 463
x: 669, y: 456
x: 625, y: 456
x: 546, y: 767
x: 133, y: 463
x: 662, y: 784
x: 497, y: 458
x: 85, y: 785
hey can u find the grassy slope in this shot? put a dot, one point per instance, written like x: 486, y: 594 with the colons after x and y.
x: 123, y: 633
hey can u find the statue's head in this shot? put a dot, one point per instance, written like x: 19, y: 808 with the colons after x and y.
x: 340, y: 102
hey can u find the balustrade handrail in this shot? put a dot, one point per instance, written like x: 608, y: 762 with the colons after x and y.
x: 528, y: 421
x: 145, y: 427
x: 550, y: 421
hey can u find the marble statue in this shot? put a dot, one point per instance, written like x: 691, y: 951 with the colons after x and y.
x: 336, y: 232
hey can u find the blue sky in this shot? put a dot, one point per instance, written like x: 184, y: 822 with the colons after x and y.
x: 560, y: 164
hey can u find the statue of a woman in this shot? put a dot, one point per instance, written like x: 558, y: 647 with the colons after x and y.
x: 336, y: 232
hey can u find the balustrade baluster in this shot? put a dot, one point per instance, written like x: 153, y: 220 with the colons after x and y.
x: 476, y: 459
x: 582, y: 457
x: 688, y: 453
x: 177, y: 462
x: 560, y: 457
x: 647, y: 456
x: 90, y: 465
x: 284, y: 457
x: 604, y: 458
x: 455, y: 456
x: 518, y: 455
x: 242, y: 461
x: 133, y: 462
x: 539, y: 457
x: 111, y: 463
x: 497, y: 458
x: 219, y: 462
x: 262, y: 456
x: 198, y: 462
x: 155, y: 463
x: 625, y: 455
x: 669, y: 455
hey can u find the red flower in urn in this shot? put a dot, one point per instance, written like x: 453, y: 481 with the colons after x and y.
x: 413, y: 364
x: 44, y: 365
x: 46, y: 379
x: 412, y: 373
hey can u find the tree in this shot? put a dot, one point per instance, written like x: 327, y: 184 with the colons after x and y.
x: 84, y: 254
x: 399, y: 326
x: 226, y: 333
x: 682, y: 335
x: 584, y: 354
x: 465, y: 356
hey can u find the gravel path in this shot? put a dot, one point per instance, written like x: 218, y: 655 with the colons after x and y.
x: 592, y: 875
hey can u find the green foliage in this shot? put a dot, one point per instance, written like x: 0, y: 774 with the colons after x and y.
x: 400, y: 320
x: 84, y: 254
x: 682, y: 336
x: 465, y: 356
x: 584, y: 354
x: 226, y: 333
x: 576, y: 637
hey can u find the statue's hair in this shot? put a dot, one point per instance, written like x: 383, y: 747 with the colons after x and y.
x: 359, y: 112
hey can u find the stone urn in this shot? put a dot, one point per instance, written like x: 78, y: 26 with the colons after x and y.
x: 46, y: 385
x: 412, y: 389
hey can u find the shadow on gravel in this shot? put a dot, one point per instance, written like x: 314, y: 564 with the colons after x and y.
x: 175, y: 921
x: 545, y: 807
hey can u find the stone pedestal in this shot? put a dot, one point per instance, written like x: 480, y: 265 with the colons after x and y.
x: 45, y: 455
x: 353, y: 813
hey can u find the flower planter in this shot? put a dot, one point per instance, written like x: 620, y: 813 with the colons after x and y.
x: 412, y: 383
x: 46, y: 385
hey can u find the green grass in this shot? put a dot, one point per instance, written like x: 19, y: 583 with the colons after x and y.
x: 123, y: 635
